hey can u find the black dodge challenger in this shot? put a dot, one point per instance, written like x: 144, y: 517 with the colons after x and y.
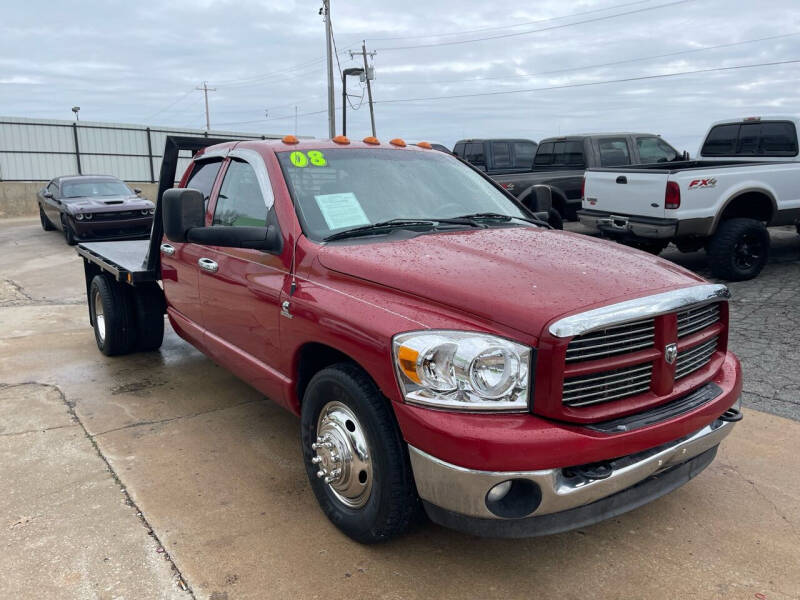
x: 94, y: 207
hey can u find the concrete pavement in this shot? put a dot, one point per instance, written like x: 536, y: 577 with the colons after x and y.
x: 87, y: 443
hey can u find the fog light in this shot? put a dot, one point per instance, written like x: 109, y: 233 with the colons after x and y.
x: 498, y: 492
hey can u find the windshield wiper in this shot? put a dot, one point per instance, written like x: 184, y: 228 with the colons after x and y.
x: 491, y: 216
x: 399, y: 224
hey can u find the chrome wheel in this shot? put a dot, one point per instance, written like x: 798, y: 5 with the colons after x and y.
x: 99, y: 317
x: 342, y: 455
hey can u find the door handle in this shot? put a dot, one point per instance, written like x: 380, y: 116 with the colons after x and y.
x: 208, y: 265
x: 622, y: 179
x: 167, y: 249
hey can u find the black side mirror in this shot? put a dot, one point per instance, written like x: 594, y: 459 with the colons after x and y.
x: 685, y: 155
x: 267, y: 238
x: 137, y: 191
x: 182, y: 209
x: 48, y: 194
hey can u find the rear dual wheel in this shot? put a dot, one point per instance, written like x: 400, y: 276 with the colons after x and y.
x: 126, y: 319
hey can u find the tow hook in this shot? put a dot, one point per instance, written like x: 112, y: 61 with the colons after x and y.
x: 732, y: 415
x: 598, y: 470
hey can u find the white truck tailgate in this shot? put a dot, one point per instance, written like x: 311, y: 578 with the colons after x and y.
x: 626, y: 193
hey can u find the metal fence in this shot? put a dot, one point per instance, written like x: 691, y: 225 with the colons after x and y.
x: 38, y: 149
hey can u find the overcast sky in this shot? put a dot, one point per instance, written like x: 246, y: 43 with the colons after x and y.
x: 139, y: 62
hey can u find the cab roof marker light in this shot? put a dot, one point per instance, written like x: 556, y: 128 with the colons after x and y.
x: 425, y: 145
x: 290, y: 139
x: 371, y: 139
x: 400, y: 143
x: 340, y: 139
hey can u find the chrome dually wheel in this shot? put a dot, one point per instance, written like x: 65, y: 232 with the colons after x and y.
x: 342, y: 455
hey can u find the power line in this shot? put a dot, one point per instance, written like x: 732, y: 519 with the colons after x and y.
x: 168, y: 106
x: 552, y: 27
x: 600, y: 65
x: 499, y: 27
x: 591, y: 83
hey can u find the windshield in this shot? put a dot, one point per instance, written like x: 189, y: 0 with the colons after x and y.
x: 343, y: 188
x: 96, y: 188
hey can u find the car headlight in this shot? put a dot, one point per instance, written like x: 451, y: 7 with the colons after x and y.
x: 145, y: 211
x: 462, y: 370
x: 88, y: 216
x: 151, y: 211
x: 79, y: 216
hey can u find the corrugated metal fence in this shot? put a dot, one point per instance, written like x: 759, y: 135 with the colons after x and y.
x: 38, y: 149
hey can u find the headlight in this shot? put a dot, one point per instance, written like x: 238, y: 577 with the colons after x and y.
x: 88, y: 216
x: 145, y: 211
x: 152, y: 211
x: 462, y: 370
x: 79, y: 216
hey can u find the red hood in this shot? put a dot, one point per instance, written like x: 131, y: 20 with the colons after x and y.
x: 522, y: 277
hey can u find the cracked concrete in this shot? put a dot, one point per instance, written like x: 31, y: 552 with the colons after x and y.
x: 163, y: 459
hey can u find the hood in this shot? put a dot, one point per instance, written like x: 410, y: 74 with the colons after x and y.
x: 107, y: 203
x: 522, y: 277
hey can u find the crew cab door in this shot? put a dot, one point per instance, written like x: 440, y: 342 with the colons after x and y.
x: 240, y: 288
x: 179, y: 268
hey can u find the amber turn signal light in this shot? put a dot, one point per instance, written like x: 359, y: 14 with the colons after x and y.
x: 407, y: 357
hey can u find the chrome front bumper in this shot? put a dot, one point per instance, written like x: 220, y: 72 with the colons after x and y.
x: 464, y: 491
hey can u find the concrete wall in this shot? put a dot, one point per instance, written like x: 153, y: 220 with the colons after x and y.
x: 18, y: 198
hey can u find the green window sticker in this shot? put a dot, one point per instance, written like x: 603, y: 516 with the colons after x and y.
x: 314, y: 157
x: 341, y: 210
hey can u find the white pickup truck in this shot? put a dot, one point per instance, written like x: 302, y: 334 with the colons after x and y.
x: 746, y: 178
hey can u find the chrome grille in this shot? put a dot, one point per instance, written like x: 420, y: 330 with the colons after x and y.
x: 617, y: 339
x: 695, y: 319
x: 607, y: 385
x: 695, y: 358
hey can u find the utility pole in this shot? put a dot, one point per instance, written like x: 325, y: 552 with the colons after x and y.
x: 326, y: 11
x: 369, y: 74
x: 205, y: 89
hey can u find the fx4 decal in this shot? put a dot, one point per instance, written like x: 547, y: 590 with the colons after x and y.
x: 696, y: 184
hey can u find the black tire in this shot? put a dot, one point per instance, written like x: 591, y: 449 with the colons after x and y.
x: 555, y: 219
x: 392, y: 502
x: 117, y: 333
x: 738, y: 250
x: 149, y: 308
x: 69, y: 233
x: 46, y: 224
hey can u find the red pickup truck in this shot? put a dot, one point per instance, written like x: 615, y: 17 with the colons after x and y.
x: 443, y: 349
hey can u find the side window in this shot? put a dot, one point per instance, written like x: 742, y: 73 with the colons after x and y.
x: 240, y: 202
x: 474, y: 154
x: 502, y: 155
x: 544, y: 154
x: 613, y: 152
x: 568, y: 154
x: 523, y: 154
x: 459, y: 150
x: 203, y: 176
x: 721, y: 140
x: 778, y: 138
x: 655, y: 150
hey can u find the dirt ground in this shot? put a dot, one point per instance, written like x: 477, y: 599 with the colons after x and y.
x: 160, y: 475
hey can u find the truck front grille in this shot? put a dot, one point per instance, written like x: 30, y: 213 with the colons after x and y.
x: 693, y: 320
x: 695, y: 358
x: 618, y: 339
x: 607, y: 385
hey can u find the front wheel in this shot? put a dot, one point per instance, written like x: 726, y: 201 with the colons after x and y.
x: 739, y: 249
x: 355, y: 457
x: 46, y: 224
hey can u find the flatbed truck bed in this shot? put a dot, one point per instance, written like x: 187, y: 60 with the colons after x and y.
x: 124, y: 260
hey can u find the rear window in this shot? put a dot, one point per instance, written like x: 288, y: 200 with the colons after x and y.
x: 560, y: 154
x: 764, y: 138
x: 523, y: 154
x: 502, y: 155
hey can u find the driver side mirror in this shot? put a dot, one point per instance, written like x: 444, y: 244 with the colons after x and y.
x: 137, y: 191
x: 183, y: 211
x: 48, y: 194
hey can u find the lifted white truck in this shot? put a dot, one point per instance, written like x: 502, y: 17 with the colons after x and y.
x: 746, y: 178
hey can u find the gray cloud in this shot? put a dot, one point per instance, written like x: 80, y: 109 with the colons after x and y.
x: 139, y: 62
